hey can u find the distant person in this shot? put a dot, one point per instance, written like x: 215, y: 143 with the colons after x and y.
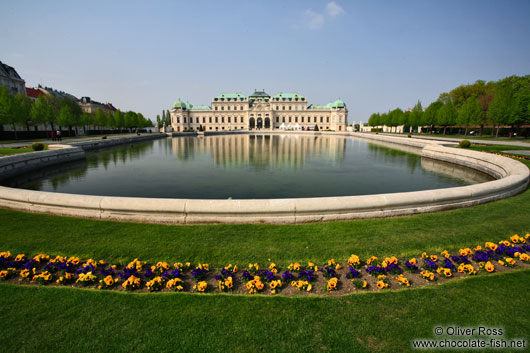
x: 59, y: 137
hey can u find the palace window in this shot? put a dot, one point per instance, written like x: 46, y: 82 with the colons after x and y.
x: 223, y: 119
x: 184, y: 120
x: 228, y: 108
x: 223, y: 108
x: 328, y: 119
x: 216, y: 120
x: 210, y: 120
x: 290, y: 108
x: 241, y: 119
x: 228, y: 119
x: 295, y: 119
x: 277, y: 108
x: 283, y: 107
x: 241, y: 108
x: 283, y: 119
x: 277, y: 119
x: 302, y: 119
x: 289, y: 119
x: 178, y: 120
x: 215, y: 107
x: 321, y: 120
x: 203, y: 120
x: 197, y: 119
x: 315, y: 119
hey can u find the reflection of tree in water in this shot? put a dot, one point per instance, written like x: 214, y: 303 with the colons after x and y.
x: 392, y: 156
x: 261, y: 151
x: 64, y: 173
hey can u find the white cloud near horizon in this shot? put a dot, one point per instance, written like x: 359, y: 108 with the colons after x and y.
x: 333, y: 9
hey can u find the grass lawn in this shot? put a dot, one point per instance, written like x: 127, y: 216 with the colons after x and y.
x: 47, y: 319
x: 7, y: 151
x: 65, y: 137
x: 55, y: 319
x: 469, y: 137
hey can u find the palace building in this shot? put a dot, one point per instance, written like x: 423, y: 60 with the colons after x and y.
x: 259, y: 111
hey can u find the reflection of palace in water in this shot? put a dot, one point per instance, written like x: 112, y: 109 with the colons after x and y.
x: 261, y: 151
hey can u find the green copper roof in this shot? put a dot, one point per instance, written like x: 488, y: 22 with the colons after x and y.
x: 337, y: 104
x: 315, y: 106
x: 231, y: 96
x: 179, y: 104
x: 201, y: 107
x: 289, y: 96
x: 259, y: 94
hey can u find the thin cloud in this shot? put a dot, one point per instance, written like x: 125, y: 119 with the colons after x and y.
x: 333, y: 9
x: 313, y: 20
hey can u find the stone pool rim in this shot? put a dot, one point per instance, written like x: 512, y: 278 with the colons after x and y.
x: 512, y: 177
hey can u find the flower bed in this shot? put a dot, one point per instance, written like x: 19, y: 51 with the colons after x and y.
x: 334, y: 278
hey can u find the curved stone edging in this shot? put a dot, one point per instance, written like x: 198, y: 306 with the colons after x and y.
x: 512, y: 178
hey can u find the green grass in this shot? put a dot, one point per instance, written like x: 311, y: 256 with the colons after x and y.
x: 7, y: 151
x: 66, y: 319
x: 499, y: 149
x: 64, y: 138
x: 468, y: 137
x: 47, y: 319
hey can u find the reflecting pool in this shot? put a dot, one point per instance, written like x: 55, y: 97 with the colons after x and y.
x: 249, y: 167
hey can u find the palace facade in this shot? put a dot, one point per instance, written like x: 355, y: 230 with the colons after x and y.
x: 259, y: 111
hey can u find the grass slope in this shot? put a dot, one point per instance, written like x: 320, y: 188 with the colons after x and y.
x: 49, y: 319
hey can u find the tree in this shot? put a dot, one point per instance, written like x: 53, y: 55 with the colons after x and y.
x: 130, y: 120
x: 416, y: 115
x: 69, y: 114
x: 429, y: 117
x: 374, y: 120
x: 23, y: 107
x: 8, y: 114
x: 470, y: 113
x: 41, y: 111
x: 520, y: 114
x: 168, y: 118
x: 158, y: 123
x: 499, y: 108
x: 100, y: 119
x: 119, y: 119
x: 446, y: 115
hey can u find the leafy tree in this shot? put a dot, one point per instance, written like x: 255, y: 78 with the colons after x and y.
x: 8, y: 111
x: 23, y: 107
x: 119, y: 119
x: 130, y: 119
x: 374, y: 120
x: 430, y: 115
x: 69, y: 114
x: 41, y: 111
x: 446, y: 115
x: 416, y: 115
x: 158, y: 123
x: 499, y: 108
x: 470, y: 113
x: 519, y: 113
x: 168, y: 118
x: 100, y: 119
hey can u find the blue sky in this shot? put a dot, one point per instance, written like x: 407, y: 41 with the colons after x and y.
x: 375, y: 55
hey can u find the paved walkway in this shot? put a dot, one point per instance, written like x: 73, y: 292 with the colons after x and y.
x: 522, y: 152
x: 64, y: 140
x: 485, y: 142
